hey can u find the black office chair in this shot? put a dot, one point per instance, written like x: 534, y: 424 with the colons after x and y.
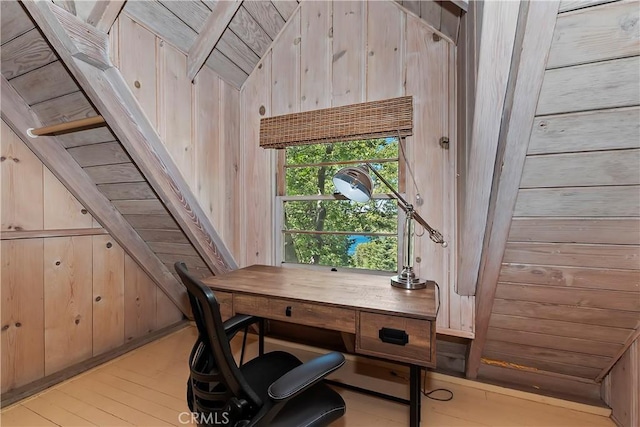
x: 274, y: 389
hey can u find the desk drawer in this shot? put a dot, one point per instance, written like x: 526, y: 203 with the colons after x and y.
x: 225, y: 299
x: 321, y: 316
x: 405, y: 340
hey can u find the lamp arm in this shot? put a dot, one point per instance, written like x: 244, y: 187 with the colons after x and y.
x: 434, y: 234
x: 395, y: 193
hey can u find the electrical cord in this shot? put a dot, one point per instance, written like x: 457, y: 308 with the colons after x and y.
x: 438, y: 307
x: 439, y: 399
x: 424, y: 391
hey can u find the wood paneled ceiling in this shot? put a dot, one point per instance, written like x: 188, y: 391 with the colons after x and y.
x: 252, y: 28
x: 243, y: 42
x: 124, y: 195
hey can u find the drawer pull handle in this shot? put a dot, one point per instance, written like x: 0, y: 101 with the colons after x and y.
x: 393, y: 336
x: 287, y: 311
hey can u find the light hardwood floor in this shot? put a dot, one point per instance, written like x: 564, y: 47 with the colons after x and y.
x: 147, y: 388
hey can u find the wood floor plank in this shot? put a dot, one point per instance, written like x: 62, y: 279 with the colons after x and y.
x: 155, y: 376
x: 84, y: 410
x: 171, y: 386
x: 128, y: 413
x: 22, y: 416
x: 55, y: 413
x: 142, y: 391
x: 142, y: 406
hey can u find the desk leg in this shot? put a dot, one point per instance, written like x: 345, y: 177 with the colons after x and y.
x: 414, y: 396
x: 261, y: 337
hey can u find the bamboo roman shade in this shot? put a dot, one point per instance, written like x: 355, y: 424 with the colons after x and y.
x: 377, y: 119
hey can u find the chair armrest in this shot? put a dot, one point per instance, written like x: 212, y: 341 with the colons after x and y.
x: 238, y: 322
x: 304, y: 376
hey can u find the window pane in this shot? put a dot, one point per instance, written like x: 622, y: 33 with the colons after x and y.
x: 339, y: 232
x: 313, y: 180
x: 375, y: 216
x: 339, y: 250
x: 383, y: 148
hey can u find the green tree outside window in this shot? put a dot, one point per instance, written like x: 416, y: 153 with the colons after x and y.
x: 322, y: 229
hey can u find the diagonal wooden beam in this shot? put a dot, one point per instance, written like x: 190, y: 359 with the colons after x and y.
x: 495, y: 54
x: 113, y: 99
x: 105, y: 13
x: 20, y: 117
x: 68, y: 5
x: 83, y: 42
x: 216, y: 23
x: 533, y: 40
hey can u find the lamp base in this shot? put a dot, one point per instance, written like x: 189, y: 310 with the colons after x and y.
x: 408, y: 282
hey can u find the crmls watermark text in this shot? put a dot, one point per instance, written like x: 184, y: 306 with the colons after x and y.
x: 212, y: 418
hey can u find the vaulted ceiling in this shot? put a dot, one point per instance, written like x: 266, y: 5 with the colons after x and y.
x: 231, y: 36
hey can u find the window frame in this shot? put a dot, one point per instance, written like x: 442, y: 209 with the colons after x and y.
x: 281, y: 198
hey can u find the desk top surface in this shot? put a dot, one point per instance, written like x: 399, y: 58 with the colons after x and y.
x: 350, y: 290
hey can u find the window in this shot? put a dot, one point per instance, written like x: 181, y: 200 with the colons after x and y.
x: 319, y: 227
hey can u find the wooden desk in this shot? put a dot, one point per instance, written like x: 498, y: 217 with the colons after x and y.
x: 390, y: 323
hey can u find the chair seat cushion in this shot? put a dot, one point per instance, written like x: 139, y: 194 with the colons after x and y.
x: 317, y: 406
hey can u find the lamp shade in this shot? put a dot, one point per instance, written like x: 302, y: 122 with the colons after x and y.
x: 354, y: 183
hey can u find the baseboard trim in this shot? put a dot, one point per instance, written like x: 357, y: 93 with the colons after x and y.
x: 28, y: 390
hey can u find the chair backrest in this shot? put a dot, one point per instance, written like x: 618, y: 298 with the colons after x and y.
x: 206, y: 312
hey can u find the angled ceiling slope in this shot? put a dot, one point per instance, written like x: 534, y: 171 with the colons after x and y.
x: 230, y: 37
x: 122, y: 173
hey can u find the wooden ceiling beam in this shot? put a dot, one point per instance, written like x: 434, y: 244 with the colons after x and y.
x: 105, y: 13
x: 206, y: 41
x: 112, y: 97
x: 68, y: 5
x: 495, y: 54
x: 19, y: 116
x: 82, y: 41
x: 533, y: 40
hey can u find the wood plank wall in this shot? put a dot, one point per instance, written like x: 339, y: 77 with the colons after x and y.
x: 199, y: 123
x: 345, y: 52
x: 68, y: 296
x: 53, y: 94
x: 568, y: 295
